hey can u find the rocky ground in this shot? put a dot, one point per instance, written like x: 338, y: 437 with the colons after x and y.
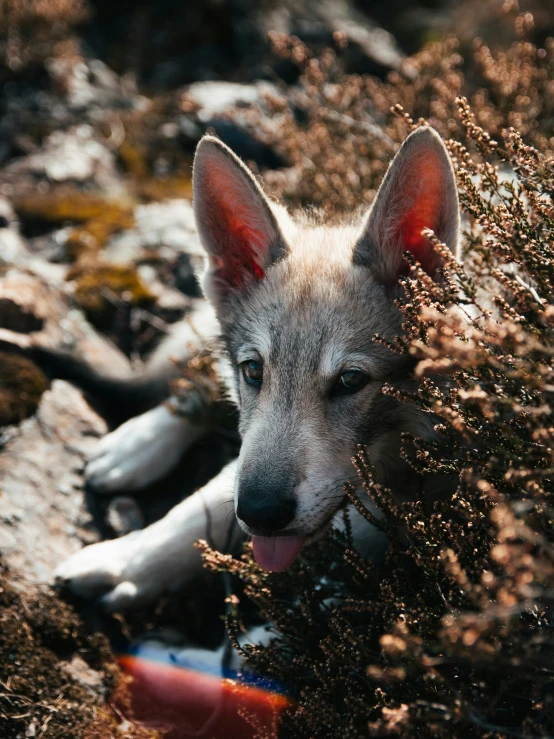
x: 99, y: 117
x: 109, y: 310
x: 96, y: 256
x: 97, y: 245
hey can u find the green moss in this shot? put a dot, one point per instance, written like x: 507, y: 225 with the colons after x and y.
x: 162, y: 188
x: 99, y: 217
x: 134, y: 158
x: 100, y: 286
x: 21, y: 387
x: 62, y: 204
x: 94, y: 234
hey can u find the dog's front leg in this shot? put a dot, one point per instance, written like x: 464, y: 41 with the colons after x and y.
x: 142, y: 450
x: 138, y: 567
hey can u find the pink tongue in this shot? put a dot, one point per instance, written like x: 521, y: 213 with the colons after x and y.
x: 276, y: 553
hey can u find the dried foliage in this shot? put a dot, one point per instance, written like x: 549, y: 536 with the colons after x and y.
x: 339, y: 135
x: 27, y: 13
x: 21, y: 387
x: 55, y: 672
x: 30, y: 29
x: 452, y: 636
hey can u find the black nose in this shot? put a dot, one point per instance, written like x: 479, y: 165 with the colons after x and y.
x: 266, y: 517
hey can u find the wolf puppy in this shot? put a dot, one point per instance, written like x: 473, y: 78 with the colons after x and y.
x: 297, y: 304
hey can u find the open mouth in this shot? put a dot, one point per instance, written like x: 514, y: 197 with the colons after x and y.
x: 277, y: 553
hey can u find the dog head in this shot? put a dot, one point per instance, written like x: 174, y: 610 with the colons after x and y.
x: 299, y: 304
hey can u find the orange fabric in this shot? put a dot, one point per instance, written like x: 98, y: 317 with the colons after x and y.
x: 193, y: 704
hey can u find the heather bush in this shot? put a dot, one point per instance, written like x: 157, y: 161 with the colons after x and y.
x: 31, y: 29
x: 452, y: 635
x: 337, y: 130
x: 29, y: 13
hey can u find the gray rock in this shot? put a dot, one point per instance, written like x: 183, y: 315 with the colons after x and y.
x: 48, y: 526
x: 377, y: 44
x: 34, y: 312
x: 73, y: 155
x: 167, y: 227
x: 13, y: 249
x: 91, y: 85
x: 215, y: 97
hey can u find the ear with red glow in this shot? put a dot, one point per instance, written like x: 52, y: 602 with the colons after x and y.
x: 419, y: 191
x: 235, y: 221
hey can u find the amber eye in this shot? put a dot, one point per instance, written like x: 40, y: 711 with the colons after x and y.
x: 253, y: 372
x: 350, y: 382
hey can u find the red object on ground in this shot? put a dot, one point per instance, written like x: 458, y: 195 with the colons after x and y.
x: 194, y: 704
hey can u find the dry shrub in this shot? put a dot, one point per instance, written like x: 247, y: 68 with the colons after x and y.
x: 337, y: 131
x: 452, y: 636
x: 30, y: 29
x: 29, y: 13
x: 56, y: 675
x: 21, y: 387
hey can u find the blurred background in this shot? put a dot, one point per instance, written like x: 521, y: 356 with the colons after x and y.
x: 102, y: 104
x: 101, y: 107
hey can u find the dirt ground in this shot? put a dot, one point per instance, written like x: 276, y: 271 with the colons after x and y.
x: 57, y: 674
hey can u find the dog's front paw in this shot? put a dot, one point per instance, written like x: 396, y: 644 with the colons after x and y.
x: 139, y: 452
x: 120, y: 573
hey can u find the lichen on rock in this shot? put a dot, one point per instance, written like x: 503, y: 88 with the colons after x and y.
x: 99, y: 288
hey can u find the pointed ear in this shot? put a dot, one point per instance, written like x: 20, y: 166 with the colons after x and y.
x: 235, y: 221
x: 419, y: 191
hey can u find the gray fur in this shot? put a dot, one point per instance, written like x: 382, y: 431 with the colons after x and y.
x: 312, y: 316
x: 325, y: 292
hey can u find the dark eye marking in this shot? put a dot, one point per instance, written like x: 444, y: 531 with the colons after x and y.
x: 349, y: 382
x: 253, y: 372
